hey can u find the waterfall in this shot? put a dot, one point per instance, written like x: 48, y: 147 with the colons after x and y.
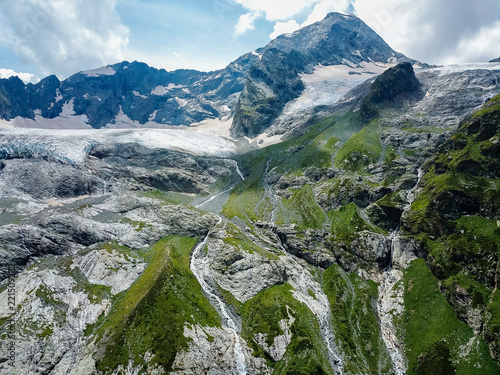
x: 410, y: 198
x: 239, y: 171
x: 391, y: 299
x: 201, y: 270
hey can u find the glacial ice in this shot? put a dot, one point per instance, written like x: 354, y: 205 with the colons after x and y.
x: 73, y: 146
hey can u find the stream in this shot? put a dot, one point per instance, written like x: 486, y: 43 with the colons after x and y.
x: 201, y: 270
x: 303, y: 281
x: 391, y: 296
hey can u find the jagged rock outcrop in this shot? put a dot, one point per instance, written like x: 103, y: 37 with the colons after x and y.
x: 272, y: 82
x: 342, y: 250
x: 395, y: 84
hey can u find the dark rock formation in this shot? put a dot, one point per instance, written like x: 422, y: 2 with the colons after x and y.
x: 391, y: 87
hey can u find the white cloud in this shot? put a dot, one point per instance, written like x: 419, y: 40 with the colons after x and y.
x: 436, y: 32
x: 63, y: 37
x: 284, y: 28
x: 281, y: 10
x: 25, y: 77
x: 480, y: 46
x: 246, y: 22
x: 323, y: 8
x: 276, y: 10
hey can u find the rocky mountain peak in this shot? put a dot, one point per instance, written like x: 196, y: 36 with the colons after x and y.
x: 133, y: 94
x: 397, y: 83
x: 337, y: 38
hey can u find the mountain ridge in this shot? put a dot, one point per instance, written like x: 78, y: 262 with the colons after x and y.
x: 366, y: 242
x: 135, y: 95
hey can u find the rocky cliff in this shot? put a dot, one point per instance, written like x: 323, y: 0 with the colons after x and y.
x: 252, y: 91
x: 362, y: 246
x: 367, y: 242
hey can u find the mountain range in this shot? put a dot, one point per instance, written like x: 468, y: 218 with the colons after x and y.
x: 253, y: 90
x: 323, y: 205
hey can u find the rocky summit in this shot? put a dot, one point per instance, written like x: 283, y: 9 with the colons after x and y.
x: 364, y: 239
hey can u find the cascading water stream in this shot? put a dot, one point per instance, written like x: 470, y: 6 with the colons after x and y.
x: 410, y: 198
x: 201, y: 270
x: 391, y: 298
x: 303, y: 281
x: 238, y: 171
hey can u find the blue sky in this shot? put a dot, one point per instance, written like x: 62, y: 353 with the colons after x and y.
x: 62, y: 37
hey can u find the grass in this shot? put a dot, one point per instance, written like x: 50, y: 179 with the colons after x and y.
x: 301, y: 209
x: 150, y: 316
x: 240, y: 241
x: 247, y: 195
x: 362, y: 149
x: 306, y: 353
x: 347, y: 223
x: 170, y: 197
x: 433, y: 335
x: 355, y: 321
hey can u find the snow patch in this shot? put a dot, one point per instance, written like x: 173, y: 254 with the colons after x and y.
x: 103, y: 71
x: 153, y: 115
x: 163, y: 90
x: 59, y: 96
x: 218, y: 127
x: 459, y: 68
x: 181, y: 102
x: 68, y: 109
x: 259, y: 55
x: 328, y: 84
x: 139, y: 95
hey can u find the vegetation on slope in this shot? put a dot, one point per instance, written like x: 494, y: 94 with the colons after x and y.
x: 455, y: 217
x: 436, y: 341
x: 150, y: 316
x: 306, y: 353
x: 354, y: 318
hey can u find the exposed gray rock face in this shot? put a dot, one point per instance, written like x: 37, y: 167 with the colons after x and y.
x: 273, y: 81
x: 395, y: 84
x: 241, y: 270
x: 215, y: 356
x: 280, y: 343
x: 50, y: 321
x: 14, y: 99
x: 110, y: 268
